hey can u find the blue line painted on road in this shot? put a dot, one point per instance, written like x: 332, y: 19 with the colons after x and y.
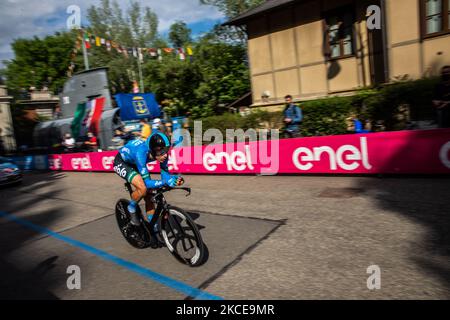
x: 174, y: 284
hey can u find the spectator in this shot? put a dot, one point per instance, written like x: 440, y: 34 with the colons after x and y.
x: 169, y: 129
x: 121, y: 137
x: 355, y: 125
x: 91, y: 143
x: 2, y: 146
x: 292, y: 118
x: 157, y: 125
x: 186, y: 122
x: 68, y: 142
x: 146, y: 130
x: 442, y: 99
x: 57, y: 114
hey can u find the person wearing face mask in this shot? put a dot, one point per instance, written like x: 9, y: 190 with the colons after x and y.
x: 442, y: 99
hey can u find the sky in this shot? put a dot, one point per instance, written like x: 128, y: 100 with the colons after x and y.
x: 28, y: 18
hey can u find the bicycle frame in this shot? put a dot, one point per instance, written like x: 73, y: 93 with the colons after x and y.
x: 171, y: 223
x: 161, y: 205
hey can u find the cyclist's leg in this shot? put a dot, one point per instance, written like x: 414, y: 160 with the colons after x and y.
x: 149, y: 207
x: 130, y: 174
x: 140, y: 190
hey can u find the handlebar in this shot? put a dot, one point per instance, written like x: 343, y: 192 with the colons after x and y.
x: 163, y: 189
x: 167, y: 189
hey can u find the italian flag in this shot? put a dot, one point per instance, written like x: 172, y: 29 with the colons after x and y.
x: 87, y: 117
x: 96, y: 110
x: 78, y: 119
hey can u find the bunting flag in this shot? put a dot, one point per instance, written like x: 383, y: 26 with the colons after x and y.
x: 181, y: 53
x: 135, y: 87
x: 138, y: 53
x: 153, y: 52
x: 159, y: 54
x: 87, y: 43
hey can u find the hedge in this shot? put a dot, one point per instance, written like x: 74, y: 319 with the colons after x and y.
x: 391, y: 105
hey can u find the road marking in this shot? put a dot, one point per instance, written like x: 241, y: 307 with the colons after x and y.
x: 162, y: 279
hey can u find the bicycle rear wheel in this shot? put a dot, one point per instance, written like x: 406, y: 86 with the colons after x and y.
x: 182, y: 237
x: 137, y: 236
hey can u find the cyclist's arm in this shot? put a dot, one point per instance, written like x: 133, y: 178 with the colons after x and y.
x: 141, y: 163
x: 167, y: 178
x: 165, y: 174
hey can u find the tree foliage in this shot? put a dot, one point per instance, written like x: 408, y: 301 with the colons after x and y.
x: 216, y: 75
x: 39, y: 62
x: 232, y: 8
x: 203, y: 84
x: 180, y: 34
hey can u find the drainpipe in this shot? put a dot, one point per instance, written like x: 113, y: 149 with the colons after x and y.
x: 385, y: 40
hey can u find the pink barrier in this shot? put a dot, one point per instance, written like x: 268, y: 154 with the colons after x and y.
x: 421, y: 151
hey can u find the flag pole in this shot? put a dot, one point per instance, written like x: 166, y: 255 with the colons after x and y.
x: 85, y: 54
x: 141, y: 80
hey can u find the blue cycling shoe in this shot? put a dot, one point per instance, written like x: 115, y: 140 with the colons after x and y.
x: 133, y: 214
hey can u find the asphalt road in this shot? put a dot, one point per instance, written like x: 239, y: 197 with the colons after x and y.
x: 277, y: 237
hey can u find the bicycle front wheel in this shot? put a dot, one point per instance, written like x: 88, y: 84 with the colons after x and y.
x: 182, y: 237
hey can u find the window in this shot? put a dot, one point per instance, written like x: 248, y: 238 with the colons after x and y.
x: 436, y: 17
x: 340, y: 34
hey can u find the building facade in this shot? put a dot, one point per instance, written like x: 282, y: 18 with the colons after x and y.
x: 316, y: 48
x: 6, y: 123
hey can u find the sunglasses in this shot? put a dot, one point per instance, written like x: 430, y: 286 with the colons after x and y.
x: 161, y: 152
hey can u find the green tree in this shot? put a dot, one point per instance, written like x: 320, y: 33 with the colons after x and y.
x: 216, y: 76
x: 225, y: 75
x: 40, y: 62
x: 232, y: 8
x: 180, y: 34
x: 137, y: 28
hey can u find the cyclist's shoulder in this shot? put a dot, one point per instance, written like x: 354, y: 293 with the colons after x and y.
x: 135, y: 144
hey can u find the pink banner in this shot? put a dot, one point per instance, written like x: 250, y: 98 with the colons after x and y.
x: 403, y: 152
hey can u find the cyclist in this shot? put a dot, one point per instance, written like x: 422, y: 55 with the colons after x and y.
x: 131, y: 165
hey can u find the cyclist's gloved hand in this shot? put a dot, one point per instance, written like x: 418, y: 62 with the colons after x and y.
x: 175, y: 181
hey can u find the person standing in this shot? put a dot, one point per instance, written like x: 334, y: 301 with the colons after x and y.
x: 442, y: 99
x: 68, y: 142
x: 146, y: 130
x: 293, y: 117
x: 91, y: 143
x: 2, y: 146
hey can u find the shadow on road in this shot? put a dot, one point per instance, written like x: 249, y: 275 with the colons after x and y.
x: 25, y: 280
x: 423, y: 200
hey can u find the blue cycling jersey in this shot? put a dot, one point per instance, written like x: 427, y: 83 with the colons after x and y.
x: 136, y: 152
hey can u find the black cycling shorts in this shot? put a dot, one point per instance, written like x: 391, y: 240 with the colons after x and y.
x: 124, y: 170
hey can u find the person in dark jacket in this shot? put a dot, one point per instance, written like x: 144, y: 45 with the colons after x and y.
x: 441, y: 99
x: 293, y: 117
